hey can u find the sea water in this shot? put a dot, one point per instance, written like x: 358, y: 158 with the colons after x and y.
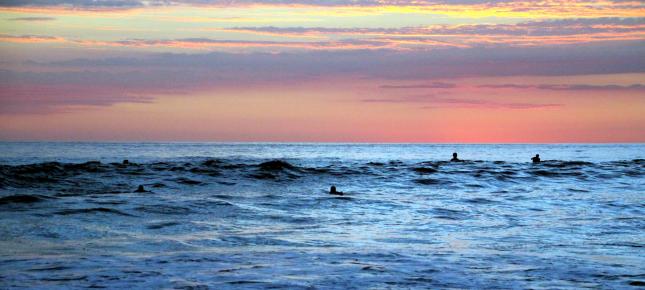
x: 242, y: 215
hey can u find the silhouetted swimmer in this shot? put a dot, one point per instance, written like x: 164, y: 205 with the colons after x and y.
x: 140, y: 189
x: 454, y: 157
x: 332, y: 190
x: 126, y: 162
x: 536, y: 159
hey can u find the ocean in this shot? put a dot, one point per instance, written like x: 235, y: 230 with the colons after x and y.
x: 258, y: 215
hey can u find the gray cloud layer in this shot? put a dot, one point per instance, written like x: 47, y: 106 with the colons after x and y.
x: 111, y: 80
x: 531, y: 28
x: 33, y: 19
x: 622, y: 57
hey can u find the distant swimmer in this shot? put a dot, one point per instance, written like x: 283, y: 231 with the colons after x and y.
x: 332, y: 190
x: 126, y: 162
x: 454, y: 157
x: 536, y: 159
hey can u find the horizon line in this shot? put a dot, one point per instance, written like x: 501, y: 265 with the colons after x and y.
x: 324, y: 142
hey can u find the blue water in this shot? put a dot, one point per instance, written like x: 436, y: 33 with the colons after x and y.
x: 31, y: 152
x: 259, y: 216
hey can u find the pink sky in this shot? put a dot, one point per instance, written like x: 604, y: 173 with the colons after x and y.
x: 328, y: 71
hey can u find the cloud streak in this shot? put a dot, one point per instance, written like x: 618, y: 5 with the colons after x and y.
x: 30, y: 38
x: 33, y: 19
x: 434, y: 101
x: 570, y: 87
x: 399, y: 65
x: 434, y: 85
x: 534, y: 33
x: 206, y: 43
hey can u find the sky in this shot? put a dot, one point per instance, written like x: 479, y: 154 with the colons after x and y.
x: 464, y: 71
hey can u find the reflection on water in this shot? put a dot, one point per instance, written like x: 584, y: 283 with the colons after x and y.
x: 248, y: 220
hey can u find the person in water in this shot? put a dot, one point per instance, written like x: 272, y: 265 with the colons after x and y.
x: 454, y: 157
x: 332, y: 190
x: 536, y: 159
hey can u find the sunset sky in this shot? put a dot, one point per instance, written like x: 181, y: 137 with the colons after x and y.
x: 323, y: 70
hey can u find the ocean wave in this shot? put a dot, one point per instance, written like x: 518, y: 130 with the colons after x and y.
x: 22, y: 198
x: 91, y: 210
x: 248, y: 219
x: 194, y: 173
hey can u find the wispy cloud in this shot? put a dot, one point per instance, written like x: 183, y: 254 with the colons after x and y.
x: 434, y: 85
x: 534, y: 33
x: 568, y: 87
x: 473, y: 103
x: 435, y: 101
x: 33, y: 19
x: 28, y: 92
x: 47, y: 99
x: 572, y: 26
x: 206, y: 43
x: 401, y: 68
x: 30, y: 38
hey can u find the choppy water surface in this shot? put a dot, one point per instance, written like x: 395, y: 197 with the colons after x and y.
x: 259, y: 216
